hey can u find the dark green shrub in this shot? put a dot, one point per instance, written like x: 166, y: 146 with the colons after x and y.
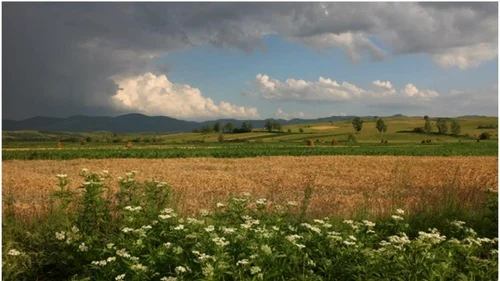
x: 484, y: 136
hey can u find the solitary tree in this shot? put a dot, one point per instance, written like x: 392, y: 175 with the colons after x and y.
x: 357, y: 123
x: 228, y: 127
x: 246, y: 127
x: 301, y: 130
x: 381, y: 125
x: 269, y: 125
x: 455, y: 127
x: 206, y: 129
x: 221, y: 138
x: 442, y: 126
x: 277, y: 126
x: 217, y: 127
x: 427, y: 126
x: 426, y: 117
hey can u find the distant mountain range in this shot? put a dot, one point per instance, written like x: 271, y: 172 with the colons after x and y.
x: 139, y: 123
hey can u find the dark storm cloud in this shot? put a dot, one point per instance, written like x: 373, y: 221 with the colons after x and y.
x: 61, y: 59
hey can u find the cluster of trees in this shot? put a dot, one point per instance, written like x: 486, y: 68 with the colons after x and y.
x: 357, y: 124
x: 227, y: 128
x: 443, y: 126
x: 273, y: 126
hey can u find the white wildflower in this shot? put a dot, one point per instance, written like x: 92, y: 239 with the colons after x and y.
x: 179, y: 227
x: 83, y: 248
x: 99, y: 263
x: 243, y: 262
x: 127, y: 229
x: 139, y: 267
x: 168, y: 278
x: 368, y: 223
x: 164, y: 217
x: 433, y: 237
x: 180, y: 269
x: 397, y: 218
x: 255, y: 269
x: 13, y: 252
x: 123, y: 253
x: 167, y: 211
x: 293, y: 237
x: 400, y: 212
x: 384, y: 243
x: 300, y: 246
x: 350, y: 222
x: 161, y: 184
x: 266, y: 249
x: 220, y: 241
x: 208, y: 270
x: 458, y: 224
x: 61, y: 176
x: 349, y: 243
x: 246, y: 225
x: 177, y: 250
x: 399, y: 240
x: 75, y: 229
x: 312, y: 228
x: 209, y: 228
x: 228, y: 230
x: 220, y: 205
x: 133, y: 208
x: 120, y: 277
x: 261, y: 201
x: 61, y: 235
x: 292, y: 203
x: 204, y: 212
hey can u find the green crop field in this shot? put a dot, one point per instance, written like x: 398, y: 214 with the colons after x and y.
x: 253, y: 150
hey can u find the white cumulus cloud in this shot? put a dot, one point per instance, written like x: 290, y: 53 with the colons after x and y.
x: 324, y: 89
x: 329, y: 90
x: 156, y: 95
x: 382, y: 84
x: 465, y: 57
x: 287, y: 116
x: 411, y: 90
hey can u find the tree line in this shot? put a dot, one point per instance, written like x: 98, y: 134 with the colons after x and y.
x: 443, y: 125
x: 218, y: 127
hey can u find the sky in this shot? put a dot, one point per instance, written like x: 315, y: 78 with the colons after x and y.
x: 205, y: 61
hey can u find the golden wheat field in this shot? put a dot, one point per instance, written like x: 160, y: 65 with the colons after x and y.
x: 342, y: 185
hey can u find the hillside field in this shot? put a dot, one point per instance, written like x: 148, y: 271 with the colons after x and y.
x: 326, y: 131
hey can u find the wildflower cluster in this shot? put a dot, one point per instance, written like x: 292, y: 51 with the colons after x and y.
x: 240, y: 242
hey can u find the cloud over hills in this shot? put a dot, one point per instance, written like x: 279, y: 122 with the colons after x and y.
x: 72, y: 58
